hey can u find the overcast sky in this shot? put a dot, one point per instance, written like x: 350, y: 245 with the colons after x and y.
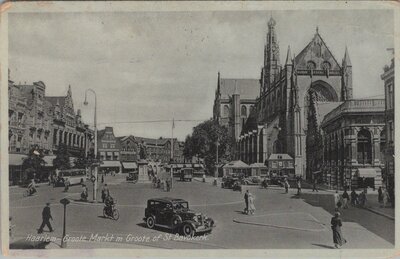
x: 148, y: 66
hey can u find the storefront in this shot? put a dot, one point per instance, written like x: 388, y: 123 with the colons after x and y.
x: 129, y: 167
x: 109, y: 167
x: 15, y: 171
x: 236, y: 168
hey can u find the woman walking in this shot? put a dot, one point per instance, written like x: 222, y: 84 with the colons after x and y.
x: 336, y: 225
x: 252, y: 208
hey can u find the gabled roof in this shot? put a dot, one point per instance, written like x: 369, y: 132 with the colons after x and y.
x: 323, y: 108
x: 247, y: 88
x: 236, y: 164
x: 318, y: 52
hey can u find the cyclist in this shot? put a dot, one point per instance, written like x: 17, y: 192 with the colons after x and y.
x: 109, y: 203
x: 32, y: 187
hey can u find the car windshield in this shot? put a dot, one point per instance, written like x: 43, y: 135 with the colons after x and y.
x: 181, y: 205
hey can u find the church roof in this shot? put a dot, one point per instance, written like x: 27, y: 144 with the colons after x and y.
x: 53, y: 100
x: 247, y: 88
x: 318, y: 52
x: 323, y: 108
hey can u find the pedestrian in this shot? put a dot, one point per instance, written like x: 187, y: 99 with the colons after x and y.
x: 167, y: 184
x: 386, y: 198
x: 346, y: 198
x: 353, y: 196
x: 298, y: 186
x: 104, y: 192
x: 252, y: 207
x: 363, y: 199
x: 102, y: 178
x: 314, y: 188
x: 66, y: 184
x: 246, y: 200
x: 286, y: 184
x: 380, y: 196
x: 46, y: 216
x: 336, y: 225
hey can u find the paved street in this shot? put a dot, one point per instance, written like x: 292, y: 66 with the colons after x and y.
x: 281, y: 220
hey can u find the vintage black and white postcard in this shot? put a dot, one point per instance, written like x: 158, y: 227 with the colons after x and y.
x: 220, y: 128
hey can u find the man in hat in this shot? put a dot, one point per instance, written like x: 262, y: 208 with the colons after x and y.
x: 46, y: 216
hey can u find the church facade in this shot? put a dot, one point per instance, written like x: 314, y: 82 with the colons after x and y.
x: 279, y: 121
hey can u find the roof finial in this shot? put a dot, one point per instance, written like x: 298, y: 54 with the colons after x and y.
x: 316, y: 30
x: 288, y: 57
x: 236, y: 90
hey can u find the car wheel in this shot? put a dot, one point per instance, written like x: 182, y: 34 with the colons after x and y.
x: 150, y: 222
x: 187, y: 230
x: 176, y: 221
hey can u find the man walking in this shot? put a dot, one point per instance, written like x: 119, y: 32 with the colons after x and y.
x: 46, y: 216
x: 299, y: 186
x: 314, y: 187
x: 286, y: 184
x: 345, y: 197
x: 246, y: 200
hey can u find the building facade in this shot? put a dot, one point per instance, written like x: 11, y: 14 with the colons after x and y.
x: 129, y: 153
x: 160, y: 149
x: 279, y: 121
x: 233, y: 103
x: 108, y: 151
x: 42, y: 122
x: 388, y: 79
x: 353, y: 139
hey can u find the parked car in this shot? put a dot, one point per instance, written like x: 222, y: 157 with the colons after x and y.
x: 252, y: 180
x: 174, y: 214
x: 229, y: 182
x: 132, y: 177
x: 186, y: 174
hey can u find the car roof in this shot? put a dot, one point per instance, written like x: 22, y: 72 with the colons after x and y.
x: 167, y: 199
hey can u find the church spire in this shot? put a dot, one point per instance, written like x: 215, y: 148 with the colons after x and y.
x: 69, y: 90
x: 288, y: 57
x: 346, y: 59
x: 272, y: 64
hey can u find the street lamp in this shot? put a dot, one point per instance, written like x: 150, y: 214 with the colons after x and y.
x: 95, y: 139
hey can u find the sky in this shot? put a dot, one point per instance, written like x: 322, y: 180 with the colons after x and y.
x: 152, y: 66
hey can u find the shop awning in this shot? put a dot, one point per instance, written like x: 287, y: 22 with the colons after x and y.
x: 197, y: 166
x: 110, y: 164
x: 16, y: 159
x: 317, y: 172
x: 366, y: 172
x: 129, y: 165
x: 49, y: 160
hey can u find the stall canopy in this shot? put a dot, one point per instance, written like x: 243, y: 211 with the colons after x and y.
x: 108, y: 163
x: 366, y: 172
x: 129, y: 165
x: 239, y: 164
x: 16, y: 159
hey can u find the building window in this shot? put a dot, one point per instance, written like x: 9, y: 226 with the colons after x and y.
x: 226, y: 111
x: 112, y: 145
x: 364, y: 147
x: 104, y: 145
x: 390, y: 98
x: 391, y: 131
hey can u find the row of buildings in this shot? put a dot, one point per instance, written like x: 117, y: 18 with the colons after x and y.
x: 305, y: 108
x: 41, y: 122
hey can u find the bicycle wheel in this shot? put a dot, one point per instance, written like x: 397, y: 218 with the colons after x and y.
x: 115, y: 214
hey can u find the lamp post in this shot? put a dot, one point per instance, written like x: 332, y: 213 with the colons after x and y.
x: 95, y: 140
x: 64, y: 202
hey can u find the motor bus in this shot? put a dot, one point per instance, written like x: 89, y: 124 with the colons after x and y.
x: 75, y: 176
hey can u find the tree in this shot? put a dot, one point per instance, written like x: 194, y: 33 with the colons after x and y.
x: 203, y: 143
x: 83, y: 161
x: 34, y: 162
x: 62, y: 158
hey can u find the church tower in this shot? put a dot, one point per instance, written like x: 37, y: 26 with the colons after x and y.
x: 347, y: 78
x: 271, y: 56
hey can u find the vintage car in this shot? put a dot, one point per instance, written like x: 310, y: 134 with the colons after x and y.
x: 229, y: 182
x: 251, y: 180
x: 186, y: 174
x: 132, y: 177
x: 174, y: 214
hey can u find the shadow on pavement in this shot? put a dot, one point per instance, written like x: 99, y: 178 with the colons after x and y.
x: 324, y: 246
x: 366, y: 219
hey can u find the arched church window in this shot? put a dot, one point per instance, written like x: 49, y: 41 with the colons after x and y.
x: 226, y: 111
x: 311, y: 65
x: 326, y: 65
x: 364, y: 147
x: 243, y: 111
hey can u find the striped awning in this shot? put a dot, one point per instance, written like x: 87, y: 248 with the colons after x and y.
x: 129, y: 165
x: 108, y: 163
